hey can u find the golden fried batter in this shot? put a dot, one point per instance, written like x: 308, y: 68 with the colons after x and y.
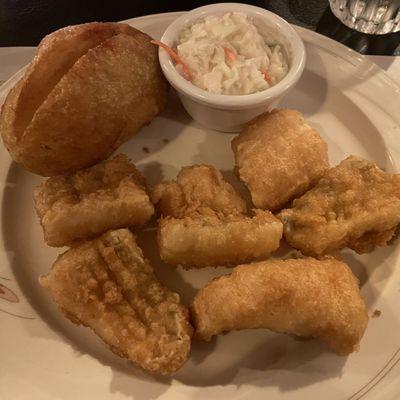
x: 279, y: 157
x: 205, y: 224
x: 305, y: 297
x: 106, y: 284
x: 355, y: 204
x: 89, y: 89
x: 197, y: 187
x: 213, y: 239
x: 107, y: 196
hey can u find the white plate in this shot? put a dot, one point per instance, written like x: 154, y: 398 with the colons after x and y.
x: 356, y: 108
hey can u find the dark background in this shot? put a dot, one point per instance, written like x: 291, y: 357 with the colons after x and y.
x: 25, y: 22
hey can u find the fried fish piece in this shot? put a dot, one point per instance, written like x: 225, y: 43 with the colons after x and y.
x: 205, y: 224
x: 197, y: 187
x: 279, y: 157
x: 212, y: 239
x: 355, y: 204
x: 305, y: 297
x: 89, y: 89
x: 107, y: 285
x: 109, y: 195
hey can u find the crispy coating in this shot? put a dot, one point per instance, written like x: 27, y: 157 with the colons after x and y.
x: 279, y: 157
x: 63, y: 48
x: 107, y: 285
x: 196, y: 188
x: 205, y: 224
x: 305, y: 297
x: 77, y: 207
x: 355, y: 204
x: 89, y: 89
x: 213, y: 239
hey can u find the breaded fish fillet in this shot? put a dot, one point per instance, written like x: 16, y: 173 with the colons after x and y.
x: 107, y: 285
x: 213, y: 239
x: 305, y: 297
x: 197, y: 187
x: 205, y: 223
x: 355, y: 204
x: 109, y: 195
x: 279, y: 157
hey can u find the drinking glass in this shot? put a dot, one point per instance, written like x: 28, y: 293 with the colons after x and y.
x: 368, y: 16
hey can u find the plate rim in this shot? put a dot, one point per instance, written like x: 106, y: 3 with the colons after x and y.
x: 311, y: 34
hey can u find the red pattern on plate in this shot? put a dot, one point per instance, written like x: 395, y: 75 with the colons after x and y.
x: 8, y: 295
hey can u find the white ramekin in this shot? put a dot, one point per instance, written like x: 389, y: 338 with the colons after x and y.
x: 229, y: 113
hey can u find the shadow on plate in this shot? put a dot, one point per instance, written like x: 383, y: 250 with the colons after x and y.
x: 155, y: 136
x: 355, y: 68
x: 366, y: 134
x: 241, y: 188
x: 372, y: 269
x: 168, y: 275
x: 308, y: 95
x: 292, y: 357
x: 310, y: 92
x: 156, y: 172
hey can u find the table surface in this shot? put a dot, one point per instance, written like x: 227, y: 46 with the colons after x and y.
x: 26, y: 22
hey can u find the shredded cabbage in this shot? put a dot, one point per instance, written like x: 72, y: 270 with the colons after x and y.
x: 227, y: 55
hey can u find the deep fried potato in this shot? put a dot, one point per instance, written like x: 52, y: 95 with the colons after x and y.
x: 279, y: 156
x: 213, y: 239
x: 109, y: 195
x: 305, y: 297
x: 106, y: 284
x: 355, y: 204
x: 196, y: 188
x: 90, y: 88
x: 57, y: 53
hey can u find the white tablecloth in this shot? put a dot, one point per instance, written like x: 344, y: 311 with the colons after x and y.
x: 13, y: 58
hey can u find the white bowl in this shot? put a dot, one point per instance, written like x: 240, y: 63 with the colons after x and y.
x: 223, y: 112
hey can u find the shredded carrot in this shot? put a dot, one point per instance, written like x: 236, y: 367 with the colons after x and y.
x: 229, y: 53
x: 267, y: 76
x: 185, y: 69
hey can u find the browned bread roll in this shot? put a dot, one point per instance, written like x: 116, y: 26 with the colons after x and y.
x: 89, y: 89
